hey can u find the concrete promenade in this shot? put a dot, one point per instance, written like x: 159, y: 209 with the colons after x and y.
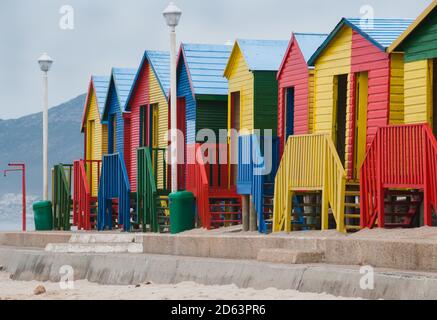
x: 405, y: 261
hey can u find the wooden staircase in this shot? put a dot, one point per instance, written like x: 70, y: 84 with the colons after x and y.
x: 62, y: 176
x: 153, y: 210
x: 352, y: 207
x: 163, y: 212
x: 402, y: 208
x: 267, y: 205
x: 85, y: 203
x: 114, y: 209
x: 310, y: 186
x: 224, y: 208
x: 218, y: 205
x: 398, y: 178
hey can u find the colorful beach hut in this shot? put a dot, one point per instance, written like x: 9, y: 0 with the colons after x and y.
x: 114, y: 186
x: 148, y: 105
x: 253, y: 105
x: 358, y: 88
x: 203, y: 111
x: 409, y: 152
x: 114, y: 112
x: 87, y: 170
x: 419, y: 46
x: 94, y: 128
x: 296, y: 87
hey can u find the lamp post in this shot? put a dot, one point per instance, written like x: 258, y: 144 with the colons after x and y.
x: 172, y: 15
x: 45, y: 63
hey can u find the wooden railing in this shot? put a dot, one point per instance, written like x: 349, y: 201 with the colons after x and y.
x: 400, y: 157
x: 114, y: 184
x: 198, y: 184
x: 86, y: 179
x: 147, y: 186
x: 309, y: 163
x: 61, y: 198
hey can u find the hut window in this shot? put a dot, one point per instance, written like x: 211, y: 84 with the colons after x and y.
x: 143, y: 126
x: 235, y: 114
x: 289, y: 112
x: 113, y: 141
x: 340, y: 105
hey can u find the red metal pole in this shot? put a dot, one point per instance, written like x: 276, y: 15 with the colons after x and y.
x: 24, y: 198
x: 22, y: 167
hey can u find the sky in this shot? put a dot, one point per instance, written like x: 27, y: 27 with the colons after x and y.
x: 115, y: 33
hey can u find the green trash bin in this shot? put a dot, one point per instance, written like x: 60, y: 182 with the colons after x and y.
x: 182, y: 212
x: 43, y: 216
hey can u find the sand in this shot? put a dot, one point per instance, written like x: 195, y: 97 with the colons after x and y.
x: 84, y: 290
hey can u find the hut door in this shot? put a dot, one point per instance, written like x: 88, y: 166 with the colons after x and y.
x: 182, y: 126
x: 143, y: 126
x: 90, y: 146
x: 289, y: 113
x: 112, y: 134
x: 434, y: 97
x: 235, y: 125
x: 154, y: 126
x: 360, y: 141
x: 340, y: 106
x: 91, y: 137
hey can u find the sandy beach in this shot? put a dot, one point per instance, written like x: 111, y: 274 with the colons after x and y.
x: 84, y: 290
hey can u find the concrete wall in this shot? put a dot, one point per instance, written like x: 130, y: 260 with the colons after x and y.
x: 129, y: 269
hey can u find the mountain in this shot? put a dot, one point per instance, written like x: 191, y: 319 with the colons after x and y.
x: 21, y: 141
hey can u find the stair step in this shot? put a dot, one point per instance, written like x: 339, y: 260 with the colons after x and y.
x: 352, y: 205
x: 352, y: 193
x: 230, y: 213
x: 404, y: 203
x: 400, y: 214
x: 306, y: 204
x: 104, y: 238
x: 357, y: 228
x: 352, y: 216
x: 396, y: 225
x: 95, y: 247
x: 224, y: 205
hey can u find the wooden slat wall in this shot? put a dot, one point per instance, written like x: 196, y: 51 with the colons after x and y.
x: 335, y: 60
x: 157, y: 97
x: 140, y: 100
x: 397, y: 88
x: 295, y: 74
x: 417, y: 92
x: 241, y: 79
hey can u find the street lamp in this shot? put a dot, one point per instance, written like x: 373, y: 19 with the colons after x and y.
x: 45, y: 63
x: 172, y: 15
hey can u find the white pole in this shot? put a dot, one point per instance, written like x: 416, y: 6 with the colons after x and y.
x: 45, y: 137
x: 173, y: 111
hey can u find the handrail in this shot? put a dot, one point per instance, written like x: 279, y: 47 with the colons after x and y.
x: 146, y: 190
x: 83, y: 186
x: 403, y: 156
x: 198, y: 184
x: 258, y: 168
x: 61, y: 197
x: 309, y: 162
x: 431, y: 176
x: 114, y: 183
